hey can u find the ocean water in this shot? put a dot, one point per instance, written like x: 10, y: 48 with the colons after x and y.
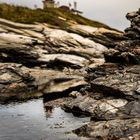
x: 111, y: 12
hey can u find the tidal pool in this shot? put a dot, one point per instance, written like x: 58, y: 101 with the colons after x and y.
x: 32, y: 121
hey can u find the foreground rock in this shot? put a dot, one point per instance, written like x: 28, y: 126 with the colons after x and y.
x: 111, y: 130
x: 112, y: 101
x: 20, y: 82
x: 107, y: 96
x: 99, y: 109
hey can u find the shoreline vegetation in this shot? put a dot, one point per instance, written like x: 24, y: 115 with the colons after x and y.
x: 54, y: 16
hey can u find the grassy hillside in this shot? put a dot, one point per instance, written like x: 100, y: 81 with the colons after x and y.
x: 50, y: 16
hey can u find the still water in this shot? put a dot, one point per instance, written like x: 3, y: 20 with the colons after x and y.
x: 32, y: 121
x: 111, y: 12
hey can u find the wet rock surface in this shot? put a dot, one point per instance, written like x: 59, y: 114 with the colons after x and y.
x: 109, y: 96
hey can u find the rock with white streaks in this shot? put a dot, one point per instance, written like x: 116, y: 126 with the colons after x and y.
x: 64, y: 59
x: 107, y: 37
x: 14, y: 38
x: 64, y: 42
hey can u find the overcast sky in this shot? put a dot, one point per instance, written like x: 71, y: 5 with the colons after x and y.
x: 111, y: 12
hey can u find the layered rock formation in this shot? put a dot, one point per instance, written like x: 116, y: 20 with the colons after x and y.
x: 103, y: 36
x: 44, y: 53
x: 112, y: 96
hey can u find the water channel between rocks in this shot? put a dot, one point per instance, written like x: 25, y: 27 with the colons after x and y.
x: 31, y: 121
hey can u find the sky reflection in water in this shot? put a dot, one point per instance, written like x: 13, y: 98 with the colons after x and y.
x: 32, y: 121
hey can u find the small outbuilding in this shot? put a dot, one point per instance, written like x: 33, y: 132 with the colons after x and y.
x: 49, y: 4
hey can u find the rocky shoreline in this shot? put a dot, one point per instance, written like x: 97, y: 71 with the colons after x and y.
x: 96, y: 69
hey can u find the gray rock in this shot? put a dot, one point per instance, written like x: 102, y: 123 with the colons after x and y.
x: 111, y: 130
x: 14, y: 80
x: 113, y: 95
x: 125, y: 83
x: 126, y: 52
x: 103, y: 109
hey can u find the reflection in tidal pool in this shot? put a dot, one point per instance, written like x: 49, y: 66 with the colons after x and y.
x: 30, y: 121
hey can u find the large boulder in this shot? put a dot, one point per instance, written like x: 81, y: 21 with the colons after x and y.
x: 12, y: 52
x: 63, y: 60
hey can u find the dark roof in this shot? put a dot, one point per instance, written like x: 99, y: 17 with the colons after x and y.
x: 65, y: 8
